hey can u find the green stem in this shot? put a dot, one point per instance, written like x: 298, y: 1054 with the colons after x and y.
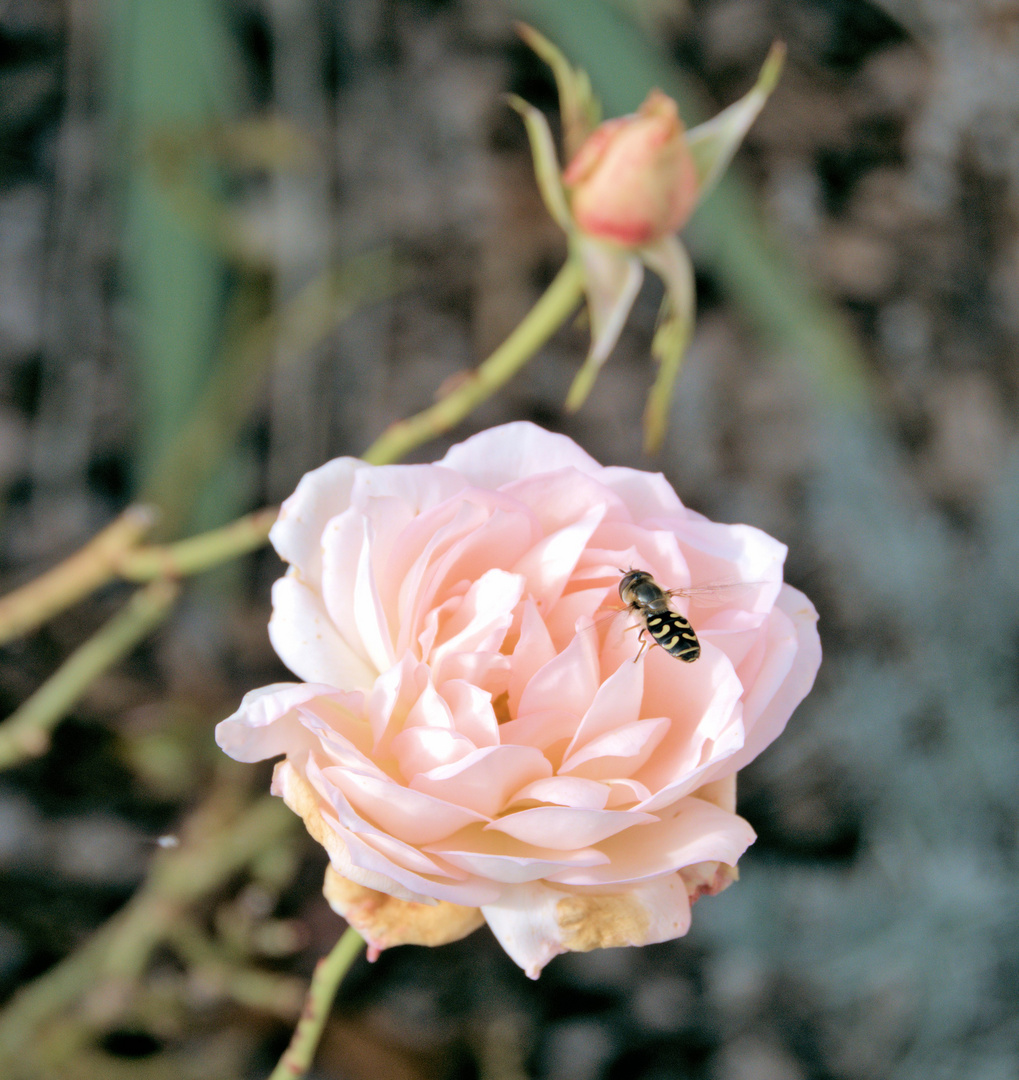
x: 329, y: 972
x: 541, y: 322
x: 26, y: 733
x: 199, y: 553
x: 253, y: 346
x: 85, y: 571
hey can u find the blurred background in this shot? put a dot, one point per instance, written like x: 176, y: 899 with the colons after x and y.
x: 239, y: 237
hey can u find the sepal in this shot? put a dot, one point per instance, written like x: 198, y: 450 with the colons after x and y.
x: 713, y: 143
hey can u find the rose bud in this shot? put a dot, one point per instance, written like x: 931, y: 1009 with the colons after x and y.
x: 634, y: 180
x: 630, y: 185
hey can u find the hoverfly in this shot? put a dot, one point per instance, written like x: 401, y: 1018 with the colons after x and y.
x: 644, y: 597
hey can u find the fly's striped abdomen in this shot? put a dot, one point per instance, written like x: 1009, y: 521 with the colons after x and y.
x: 674, y: 633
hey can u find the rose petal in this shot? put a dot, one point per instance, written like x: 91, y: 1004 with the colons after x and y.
x: 473, y: 715
x: 485, y: 614
x: 487, y: 670
x: 702, y: 699
x: 266, y: 724
x: 565, y: 791
x: 568, y: 683
x: 384, y: 921
x: 484, y: 779
x: 696, y: 831
x: 320, y: 495
x: 420, y: 749
x: 498, y: 857
x: 772, y: 717
x: 548, y: 565
x: 400, y: 854
x: 566, y: 497
x: 363, y: 861
x: 540, y: 729
x: 626, y: 792
x: 394, y: 694
x: 533, y: 650
x: 523, y: 921
x: 431, y: 710
x: 418, y: 488
x: 504, y: 454
x: 563, y: 827
x: 307, y: 642
x: 718, y: 553
x: 645, y: 495
x: 501, y: 537
x: 339, y: 718
x: 616, y: 704
x: 302, y: 798
x: 412, y: 815
x: 573, y: 610
x: 534, y: 922
x: 619, y: 752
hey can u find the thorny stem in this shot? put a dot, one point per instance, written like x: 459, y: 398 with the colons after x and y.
x: 541, y: 322
x: 113, y: 554
x: 85, y: 571
x: 26, y: 733
x: 198, y: 553
x: 329, y: 972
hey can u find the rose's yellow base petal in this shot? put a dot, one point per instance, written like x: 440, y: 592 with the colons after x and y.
x: 384, y: 921
x: 601, y: 922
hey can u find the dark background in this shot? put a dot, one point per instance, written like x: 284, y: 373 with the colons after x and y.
x: 172, y: 176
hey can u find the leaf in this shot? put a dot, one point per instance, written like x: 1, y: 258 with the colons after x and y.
x: 546, y: 164
x: 669, y: 259
x: 611, y: 281
x: 713, y: 143
x: 578, y: 107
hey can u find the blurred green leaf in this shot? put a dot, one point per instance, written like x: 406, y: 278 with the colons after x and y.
x: 171, y: 69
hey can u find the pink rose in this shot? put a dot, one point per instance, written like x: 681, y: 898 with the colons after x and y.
x: 474, y: 741
x: 634, y: 180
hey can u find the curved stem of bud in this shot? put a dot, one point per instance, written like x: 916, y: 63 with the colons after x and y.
x: 556, y: 305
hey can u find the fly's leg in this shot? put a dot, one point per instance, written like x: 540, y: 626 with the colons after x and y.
x: 643, y: 644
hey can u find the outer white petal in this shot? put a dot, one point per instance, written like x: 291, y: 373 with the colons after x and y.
x: 772, y: 718
x: 524, y: 923
x: 719, y: 553
x: 320, y: 496
x: 254, y: 731
x: 307, y: 642
x: 299, y: 795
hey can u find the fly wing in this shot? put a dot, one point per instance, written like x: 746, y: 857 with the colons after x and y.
x: 748, y: 595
